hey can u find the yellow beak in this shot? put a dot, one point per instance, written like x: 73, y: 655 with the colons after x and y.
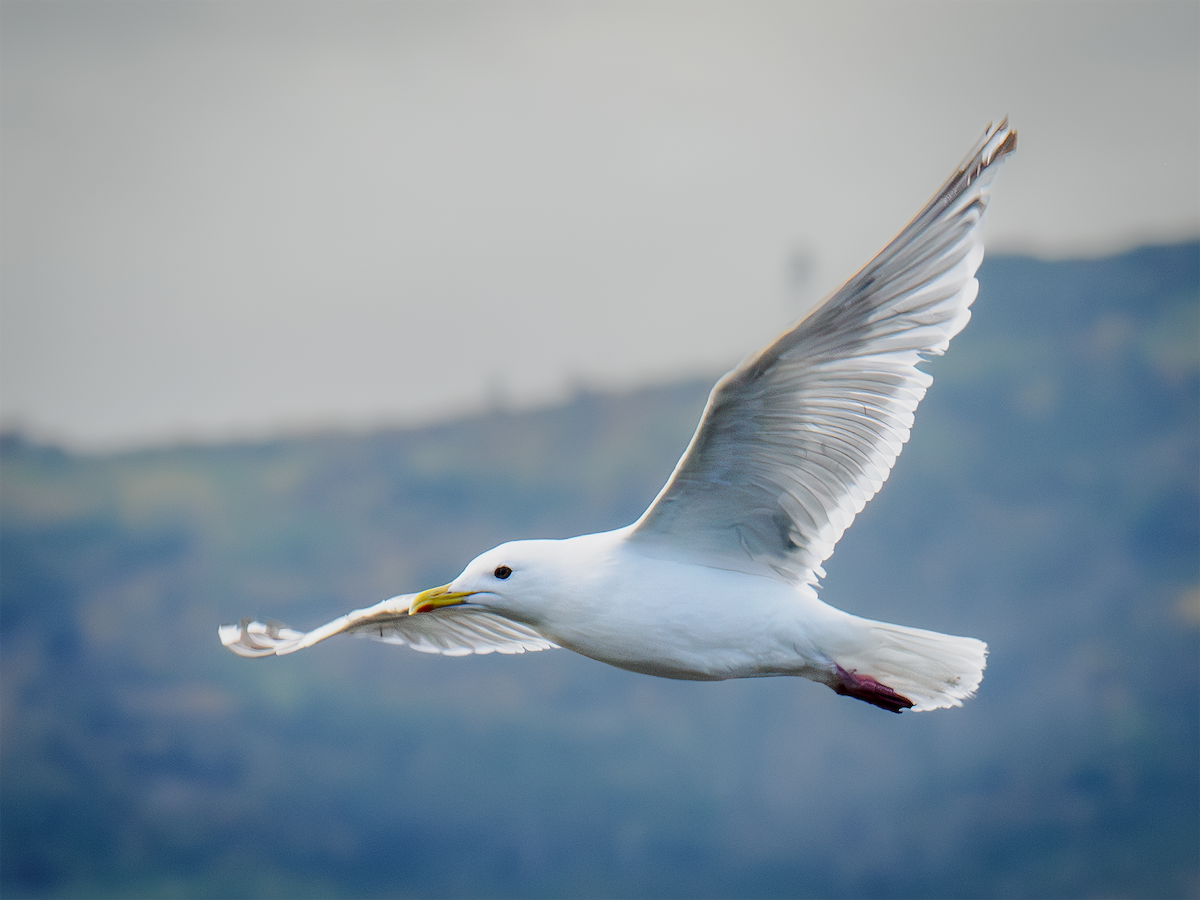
x: 435, y: 598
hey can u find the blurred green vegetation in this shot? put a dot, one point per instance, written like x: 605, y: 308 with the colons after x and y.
x: 1049, y: 503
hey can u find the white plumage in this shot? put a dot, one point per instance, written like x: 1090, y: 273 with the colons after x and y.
x: 718, y: 577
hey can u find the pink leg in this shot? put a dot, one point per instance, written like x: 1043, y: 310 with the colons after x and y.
x: 864, y: 687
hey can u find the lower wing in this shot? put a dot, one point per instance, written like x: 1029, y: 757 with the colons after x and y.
x: 452, y: 631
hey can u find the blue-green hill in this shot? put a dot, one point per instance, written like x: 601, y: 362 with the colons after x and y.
x: 1049, y: 503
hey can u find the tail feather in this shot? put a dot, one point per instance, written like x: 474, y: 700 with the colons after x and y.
x: 932, y: 670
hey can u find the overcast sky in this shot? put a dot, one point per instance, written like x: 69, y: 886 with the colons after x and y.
x: 232, y: 219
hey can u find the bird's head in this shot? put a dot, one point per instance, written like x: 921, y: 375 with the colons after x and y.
x: 516, y: 580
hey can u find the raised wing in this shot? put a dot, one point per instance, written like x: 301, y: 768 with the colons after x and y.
x: 796, y: 440
x: 451, y: 631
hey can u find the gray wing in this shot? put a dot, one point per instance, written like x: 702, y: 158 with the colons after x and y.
x: 451, y: 631
x: 796, y: 440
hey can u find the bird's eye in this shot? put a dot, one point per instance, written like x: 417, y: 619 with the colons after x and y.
x: 502, y: 572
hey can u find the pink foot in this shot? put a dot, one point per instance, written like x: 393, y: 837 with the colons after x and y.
x: 864, y: 687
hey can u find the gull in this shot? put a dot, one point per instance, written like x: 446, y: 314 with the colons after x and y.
x: 718, y: 578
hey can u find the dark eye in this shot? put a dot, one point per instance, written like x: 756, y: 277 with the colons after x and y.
x: 502, y: 572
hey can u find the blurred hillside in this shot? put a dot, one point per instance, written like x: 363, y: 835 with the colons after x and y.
x: 1049, y: 503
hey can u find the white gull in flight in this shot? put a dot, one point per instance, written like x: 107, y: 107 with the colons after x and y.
x: 718, y: 577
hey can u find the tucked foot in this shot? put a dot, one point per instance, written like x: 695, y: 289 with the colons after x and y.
x: 864, y: 687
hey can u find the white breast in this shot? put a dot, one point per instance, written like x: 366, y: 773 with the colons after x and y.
x: 677, y: 620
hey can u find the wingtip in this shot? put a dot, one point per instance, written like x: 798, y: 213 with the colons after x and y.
x: 1008, y: 144
x: 997, y: 143
x: 253, y: 639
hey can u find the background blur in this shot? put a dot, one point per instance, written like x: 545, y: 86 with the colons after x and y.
x: 224, y: 219
x: 305, y: 305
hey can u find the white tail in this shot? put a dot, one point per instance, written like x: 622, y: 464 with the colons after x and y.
x: 932, y: 670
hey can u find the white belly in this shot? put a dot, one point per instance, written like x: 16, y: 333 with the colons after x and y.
x: 683, y: 621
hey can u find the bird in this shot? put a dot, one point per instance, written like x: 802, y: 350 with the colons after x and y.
x: 719, y: 577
